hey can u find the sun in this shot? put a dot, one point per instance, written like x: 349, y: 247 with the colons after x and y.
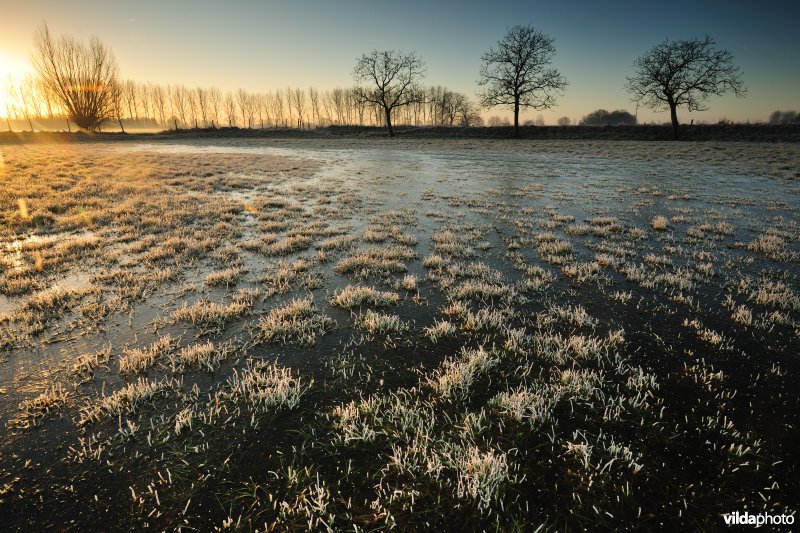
x: 12, y: 69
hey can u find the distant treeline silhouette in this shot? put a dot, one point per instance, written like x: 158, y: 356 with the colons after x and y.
x: 79, y: 83
x: 784, y: 117
x: 601, y: 117
x: 154, y: 106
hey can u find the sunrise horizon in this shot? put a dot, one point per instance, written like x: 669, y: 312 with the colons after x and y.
x: 595, y: 47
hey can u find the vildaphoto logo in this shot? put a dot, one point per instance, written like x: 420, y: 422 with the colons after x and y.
x: 757, y: 519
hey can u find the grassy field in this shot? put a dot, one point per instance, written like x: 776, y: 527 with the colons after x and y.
x: 359, y: 334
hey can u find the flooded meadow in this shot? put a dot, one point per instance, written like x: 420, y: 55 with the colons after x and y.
x: 365, y: 334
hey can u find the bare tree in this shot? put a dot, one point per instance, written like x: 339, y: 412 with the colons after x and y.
x: 230, y: 109
x: 201, y: 97
x: 160, y: 103
x: 180, y: 104
x: 517, y: 73
x: 146, y: 100
x: 683, y: 74
x: 214, y: 103
x: 313, y: 96
x: 119, y: 101
x: 129, y: 92
x: 193, y: 105
x: 247, y: 107
x: 394, y: 75
x: 276, y: 101
x: 82, y: 76
x: 11, y: 100
x: 29, y: 99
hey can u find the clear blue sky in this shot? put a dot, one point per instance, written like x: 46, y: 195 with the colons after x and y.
x: 261, y: 45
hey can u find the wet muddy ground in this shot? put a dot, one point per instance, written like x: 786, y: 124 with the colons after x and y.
x: 362, y: 335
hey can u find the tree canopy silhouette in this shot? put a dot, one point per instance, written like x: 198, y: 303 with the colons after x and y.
x: 83, y: 77
x: 517, y: 73
x: 683, y: 74
x: 393, y: 76
x: 601, y: 117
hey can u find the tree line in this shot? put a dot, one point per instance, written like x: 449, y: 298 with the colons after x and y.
x: 80, y: 82
x: 150, y: 105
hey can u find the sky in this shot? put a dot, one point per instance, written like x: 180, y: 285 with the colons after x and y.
x: 264, y: 45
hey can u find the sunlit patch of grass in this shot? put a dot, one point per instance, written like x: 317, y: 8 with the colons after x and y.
x: 659, y: 223
x: 297, y: 322
x: 287, y: 276
x: 390, y: 327
x: 657, y: 260
x: 774, y: 294
x: 456, y: 376
x: 206, y: 356
x: 486, y: 319
x: 773, y: 246
x: 536, y: 279
x: 288, y: 245
x: 742, y: 315
x: 575, y: 315
x: 440, y: 329
x: 364, y: 265
x: 336, y: 243
x: 207, y: 313
x: 622, y: 296
x: 85, y: 364
x: 579, y: 229
x: 603, y: 226
x: 448, y: 243
x: 127, y: 400
x: 360, y: 296
x: 477, y: 290
x: 265, y: 387
x: 225, y: 277
x: 583, y: 272
x: 32, y: 412
x: 408, y: 282
x: 139, y: 359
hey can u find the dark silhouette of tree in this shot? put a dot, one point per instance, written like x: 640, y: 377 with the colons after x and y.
x: 82, y: 76
x: 214, y: 103
x: 230, y: 109
x: 683, y: 74
x: 119, y: 100
x: 394, y: 75
x: 601, y: 117
x: 517, y: 73
x: 784, y: 117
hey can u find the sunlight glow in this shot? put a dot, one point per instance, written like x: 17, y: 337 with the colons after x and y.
x: 11, y: 68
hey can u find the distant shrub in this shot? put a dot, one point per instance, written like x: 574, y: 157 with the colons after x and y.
x: 601, y: 117
x: 784, y: 117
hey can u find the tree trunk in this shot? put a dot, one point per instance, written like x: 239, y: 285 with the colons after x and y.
x: 388, y: 113
x: 69, y: 128
x: 8, y: 123
x: 119, y: 119
x: 30, y: 124
x: 516, y: 117
x: 175, y: 120
x: 673, y: 112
